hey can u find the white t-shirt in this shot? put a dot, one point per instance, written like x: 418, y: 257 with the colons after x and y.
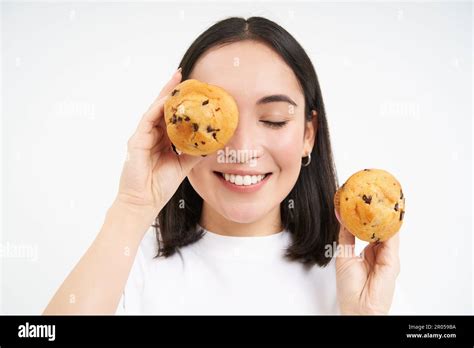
x: 227, y: 275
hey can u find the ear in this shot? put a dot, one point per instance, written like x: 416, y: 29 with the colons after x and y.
x: 311, y: 129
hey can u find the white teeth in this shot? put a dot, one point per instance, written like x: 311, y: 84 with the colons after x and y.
x: 240, y: 180
x: 247, y: 180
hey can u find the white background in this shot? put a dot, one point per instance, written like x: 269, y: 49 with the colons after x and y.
x: 396, y: 80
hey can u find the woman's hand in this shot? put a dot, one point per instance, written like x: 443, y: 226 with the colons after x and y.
x: 153, y: 171
x: 150, y: 176
x: 366, y: 283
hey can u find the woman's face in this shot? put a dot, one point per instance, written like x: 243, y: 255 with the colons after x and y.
x: 270, y: 138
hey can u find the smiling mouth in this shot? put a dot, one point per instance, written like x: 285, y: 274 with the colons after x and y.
x: 242, y: 180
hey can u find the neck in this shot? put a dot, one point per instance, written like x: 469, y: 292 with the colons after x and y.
x: 212, y: 221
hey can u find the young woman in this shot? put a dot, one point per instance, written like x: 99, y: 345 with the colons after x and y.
x: 221, y: 247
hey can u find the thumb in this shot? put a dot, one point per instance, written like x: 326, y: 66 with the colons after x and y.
x: 345, y: 237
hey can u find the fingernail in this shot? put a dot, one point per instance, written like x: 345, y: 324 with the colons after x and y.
x: 176, y: 73
x: 337, y: 215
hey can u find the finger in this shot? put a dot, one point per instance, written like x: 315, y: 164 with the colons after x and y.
x: 145, y: 141
x: 170, y: 85
x: 392, y: 245
x: 386, y: 260
x: 163, y: 145
x: 345, y: 237
x: 368, y: 253
x: 152, y: 117
x: 384, y: 253
x: 155, y: 111
x: 168, y: 88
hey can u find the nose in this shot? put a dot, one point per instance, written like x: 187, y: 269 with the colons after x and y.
x: 245, y: 138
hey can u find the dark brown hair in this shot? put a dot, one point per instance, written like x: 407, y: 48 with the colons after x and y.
x: 308, y: 210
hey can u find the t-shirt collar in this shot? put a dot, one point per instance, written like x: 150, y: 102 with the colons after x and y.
x: 255, y: 247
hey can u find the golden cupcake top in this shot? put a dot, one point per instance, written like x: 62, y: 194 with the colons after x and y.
x: 371, y: 205
x: 200, y: 118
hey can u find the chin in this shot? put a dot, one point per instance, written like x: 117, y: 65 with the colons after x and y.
x: 243, y: 213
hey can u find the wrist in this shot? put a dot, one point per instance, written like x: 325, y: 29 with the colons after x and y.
x: 137, y: 218
x: 131, y: 207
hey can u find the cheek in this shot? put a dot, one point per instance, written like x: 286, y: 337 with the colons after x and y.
x: 286, y: 147
x: 201, y: 174
x: 286, y: 152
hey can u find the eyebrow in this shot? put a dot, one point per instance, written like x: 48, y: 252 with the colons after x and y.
x: 276, y: 98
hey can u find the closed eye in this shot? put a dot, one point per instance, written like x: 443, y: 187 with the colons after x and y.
x: 274, y: 124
